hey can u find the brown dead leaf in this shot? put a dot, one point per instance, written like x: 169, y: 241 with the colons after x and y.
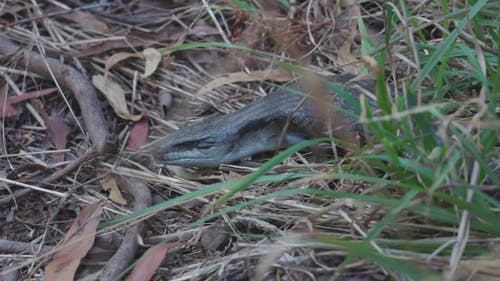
x: 152, y: 59
x: 116, y: 58
x: 150, y: 261
x: 115, y: 96
x: 58, y: 133
x: 7, y: 110
x: 134, y: 39
x: 87, y: 21
x: 109, y: 184
x: 344, y: 52
x: 31, y: 95
x: 77, y: 242
x: 138, y: 134
x: 275, y: 75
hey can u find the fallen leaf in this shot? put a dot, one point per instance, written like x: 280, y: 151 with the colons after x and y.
x: 77, y: 242
x: 115, y: 96
x: 7, y: 110
x: 31, y: 95
x: 138, y: 134
x: 116, y: 58
x: 344, y: 53
x: 152, y: 59
x: 150, y: 261
x: 109, y: 184
x: 275, y: 75
x: 85, y: 20
x: 133, y: 39
x: 88, y: 22
x: 145, y: 39
x: 58, y: 133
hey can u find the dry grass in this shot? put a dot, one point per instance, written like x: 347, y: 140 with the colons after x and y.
x: 416, y: 211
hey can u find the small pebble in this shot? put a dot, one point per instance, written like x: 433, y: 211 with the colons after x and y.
x: 165, y: 99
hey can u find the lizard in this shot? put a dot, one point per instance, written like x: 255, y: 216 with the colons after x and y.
x: 278, y: 120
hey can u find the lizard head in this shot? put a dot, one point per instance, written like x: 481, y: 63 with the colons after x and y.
x: 214, y: 141
x: 200, y: 142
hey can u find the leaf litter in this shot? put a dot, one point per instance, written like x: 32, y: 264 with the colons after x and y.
x: 123, y: 43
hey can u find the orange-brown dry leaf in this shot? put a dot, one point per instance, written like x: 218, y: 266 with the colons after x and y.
x: 7, y: 110
x: 150, y: 262
x: 77, y: 242
x: 152, y: 59
x: 275, y: 75
x: 87, y: 21
x: 138, y: 134
x: 109, y: 184
x: 344, y: 52
x: 116, y: 58
x: 134, y: 39
x: 31, y: 95
x: 58, y: 132
x: 115, y: 96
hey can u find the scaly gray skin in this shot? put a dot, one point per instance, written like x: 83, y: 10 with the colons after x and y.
x: 258, y: 127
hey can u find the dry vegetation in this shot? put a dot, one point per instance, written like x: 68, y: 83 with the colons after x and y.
x: 415, y: 204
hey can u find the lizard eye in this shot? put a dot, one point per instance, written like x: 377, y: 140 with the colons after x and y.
x: 187, y: 144
x: 205, y: 144
x: 199, y: 144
